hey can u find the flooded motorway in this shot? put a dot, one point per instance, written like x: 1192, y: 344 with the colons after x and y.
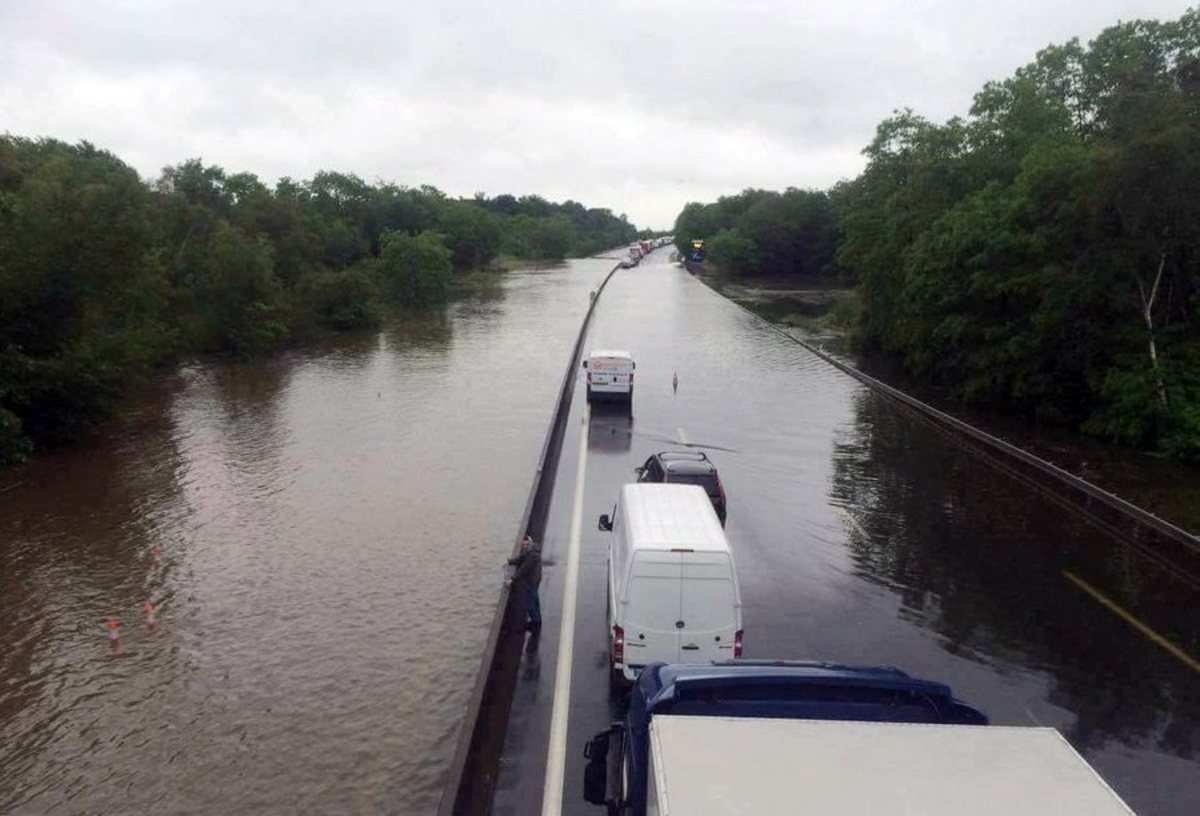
x: 324, y: 533
x: 321, y: 534
x: 862, y: 534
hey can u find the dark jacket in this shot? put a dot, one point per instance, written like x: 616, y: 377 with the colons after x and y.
x: 528, y: 567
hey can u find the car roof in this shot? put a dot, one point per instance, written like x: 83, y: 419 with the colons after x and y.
x: 669, y: 684
x: 690, y: 463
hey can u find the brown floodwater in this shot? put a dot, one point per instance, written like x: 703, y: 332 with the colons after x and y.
x: 322, y: 535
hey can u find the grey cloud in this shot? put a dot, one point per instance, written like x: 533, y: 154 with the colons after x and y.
x: 632, y: 105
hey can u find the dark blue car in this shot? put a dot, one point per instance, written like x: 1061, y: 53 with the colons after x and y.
x: 616, y: 772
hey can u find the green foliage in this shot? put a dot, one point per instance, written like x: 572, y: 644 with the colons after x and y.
x: 472, y: 233
x: 1013, y: 256
x: 103, y: 277
x: 15, y: 446
x: 733, y: 251
x: 236, y: 295
x: 341, y: 300
x: 415, y: 269
x: 763, y: 233
x: 540, y: 229
x: 543, y: 238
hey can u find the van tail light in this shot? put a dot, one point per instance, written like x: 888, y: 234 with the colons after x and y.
x: 619, y: 644
x: 631, y: 378
x: 589, y: 381
x: 737, y: 643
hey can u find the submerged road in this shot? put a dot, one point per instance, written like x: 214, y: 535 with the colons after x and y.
x: 864, y: 535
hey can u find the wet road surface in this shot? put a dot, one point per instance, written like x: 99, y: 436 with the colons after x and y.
x: 863, y: 534
x: 324, y: 531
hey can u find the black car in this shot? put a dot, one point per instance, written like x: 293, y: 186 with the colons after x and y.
x: 686, y: 467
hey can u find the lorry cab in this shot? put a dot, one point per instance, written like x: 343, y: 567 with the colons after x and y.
x: 610, y: 376
x: 673, y: 592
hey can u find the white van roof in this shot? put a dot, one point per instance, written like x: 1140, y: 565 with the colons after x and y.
x: 623, y: 355
x: 663, y: 516
x: 720, y: 765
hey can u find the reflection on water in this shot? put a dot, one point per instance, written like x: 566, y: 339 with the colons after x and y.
x: 977, y: 559
x: 610, y: 429
x: 319, y: 533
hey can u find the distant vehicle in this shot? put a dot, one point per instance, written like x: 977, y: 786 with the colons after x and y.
x: 686, y: 467
x: 645, y: 247
x: 672, y: 587
x: 634, y: 766
x: 610, y: 376
x: 698, y: 252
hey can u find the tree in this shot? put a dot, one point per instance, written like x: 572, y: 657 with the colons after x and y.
x: 734, y: 252
x: 415, y: 269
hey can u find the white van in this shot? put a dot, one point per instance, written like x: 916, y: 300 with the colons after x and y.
x: 610, y: 375
x: 672, y: 587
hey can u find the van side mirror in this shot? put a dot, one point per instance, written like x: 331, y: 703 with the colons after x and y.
x: 585, y: 363
x: 605, y: 523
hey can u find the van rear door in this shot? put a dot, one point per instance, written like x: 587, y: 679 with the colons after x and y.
x: 652, y: 610
x: 708, y: 611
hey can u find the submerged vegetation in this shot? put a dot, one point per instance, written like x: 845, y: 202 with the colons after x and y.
x: 1040, y: 255
x: 104, y: 277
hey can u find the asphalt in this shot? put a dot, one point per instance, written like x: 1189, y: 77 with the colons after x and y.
x: 863, y: 535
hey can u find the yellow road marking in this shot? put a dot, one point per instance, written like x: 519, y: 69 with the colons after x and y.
x: 1128, y: 617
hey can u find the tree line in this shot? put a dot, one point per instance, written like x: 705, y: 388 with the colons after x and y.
x: 104, y: 277
x: 1039, y: 255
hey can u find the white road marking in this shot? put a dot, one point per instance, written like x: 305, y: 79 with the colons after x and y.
x: 853, y: 522
x: 683, y: 440
x: 556, y: 752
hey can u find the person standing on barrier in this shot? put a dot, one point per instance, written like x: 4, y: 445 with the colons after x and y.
x: 526, y: 578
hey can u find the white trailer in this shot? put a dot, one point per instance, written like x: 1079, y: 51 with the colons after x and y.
x: 704, y: 766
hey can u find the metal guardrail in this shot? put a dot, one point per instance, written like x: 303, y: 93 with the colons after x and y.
x: 472, y: 778
x: 1181, y: 547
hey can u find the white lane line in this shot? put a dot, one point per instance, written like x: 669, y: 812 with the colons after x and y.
x: 556, y: 751
x: 853, y: 522
x: 683, y: 440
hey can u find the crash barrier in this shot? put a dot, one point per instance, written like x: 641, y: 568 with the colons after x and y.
x: 472, y: 777
x: 1157, y: 539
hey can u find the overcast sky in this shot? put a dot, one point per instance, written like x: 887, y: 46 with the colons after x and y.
x: 635, y: 105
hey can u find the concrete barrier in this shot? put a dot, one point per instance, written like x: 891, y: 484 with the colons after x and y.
x: 471, y: 781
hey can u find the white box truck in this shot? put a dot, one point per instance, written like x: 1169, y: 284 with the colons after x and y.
x: 673, y: 592
x: 705, y: 766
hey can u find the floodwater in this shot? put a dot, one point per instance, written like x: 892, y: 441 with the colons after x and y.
x: 322, y: 535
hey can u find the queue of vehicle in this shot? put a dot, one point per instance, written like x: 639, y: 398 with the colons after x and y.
x: 706, y: 732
